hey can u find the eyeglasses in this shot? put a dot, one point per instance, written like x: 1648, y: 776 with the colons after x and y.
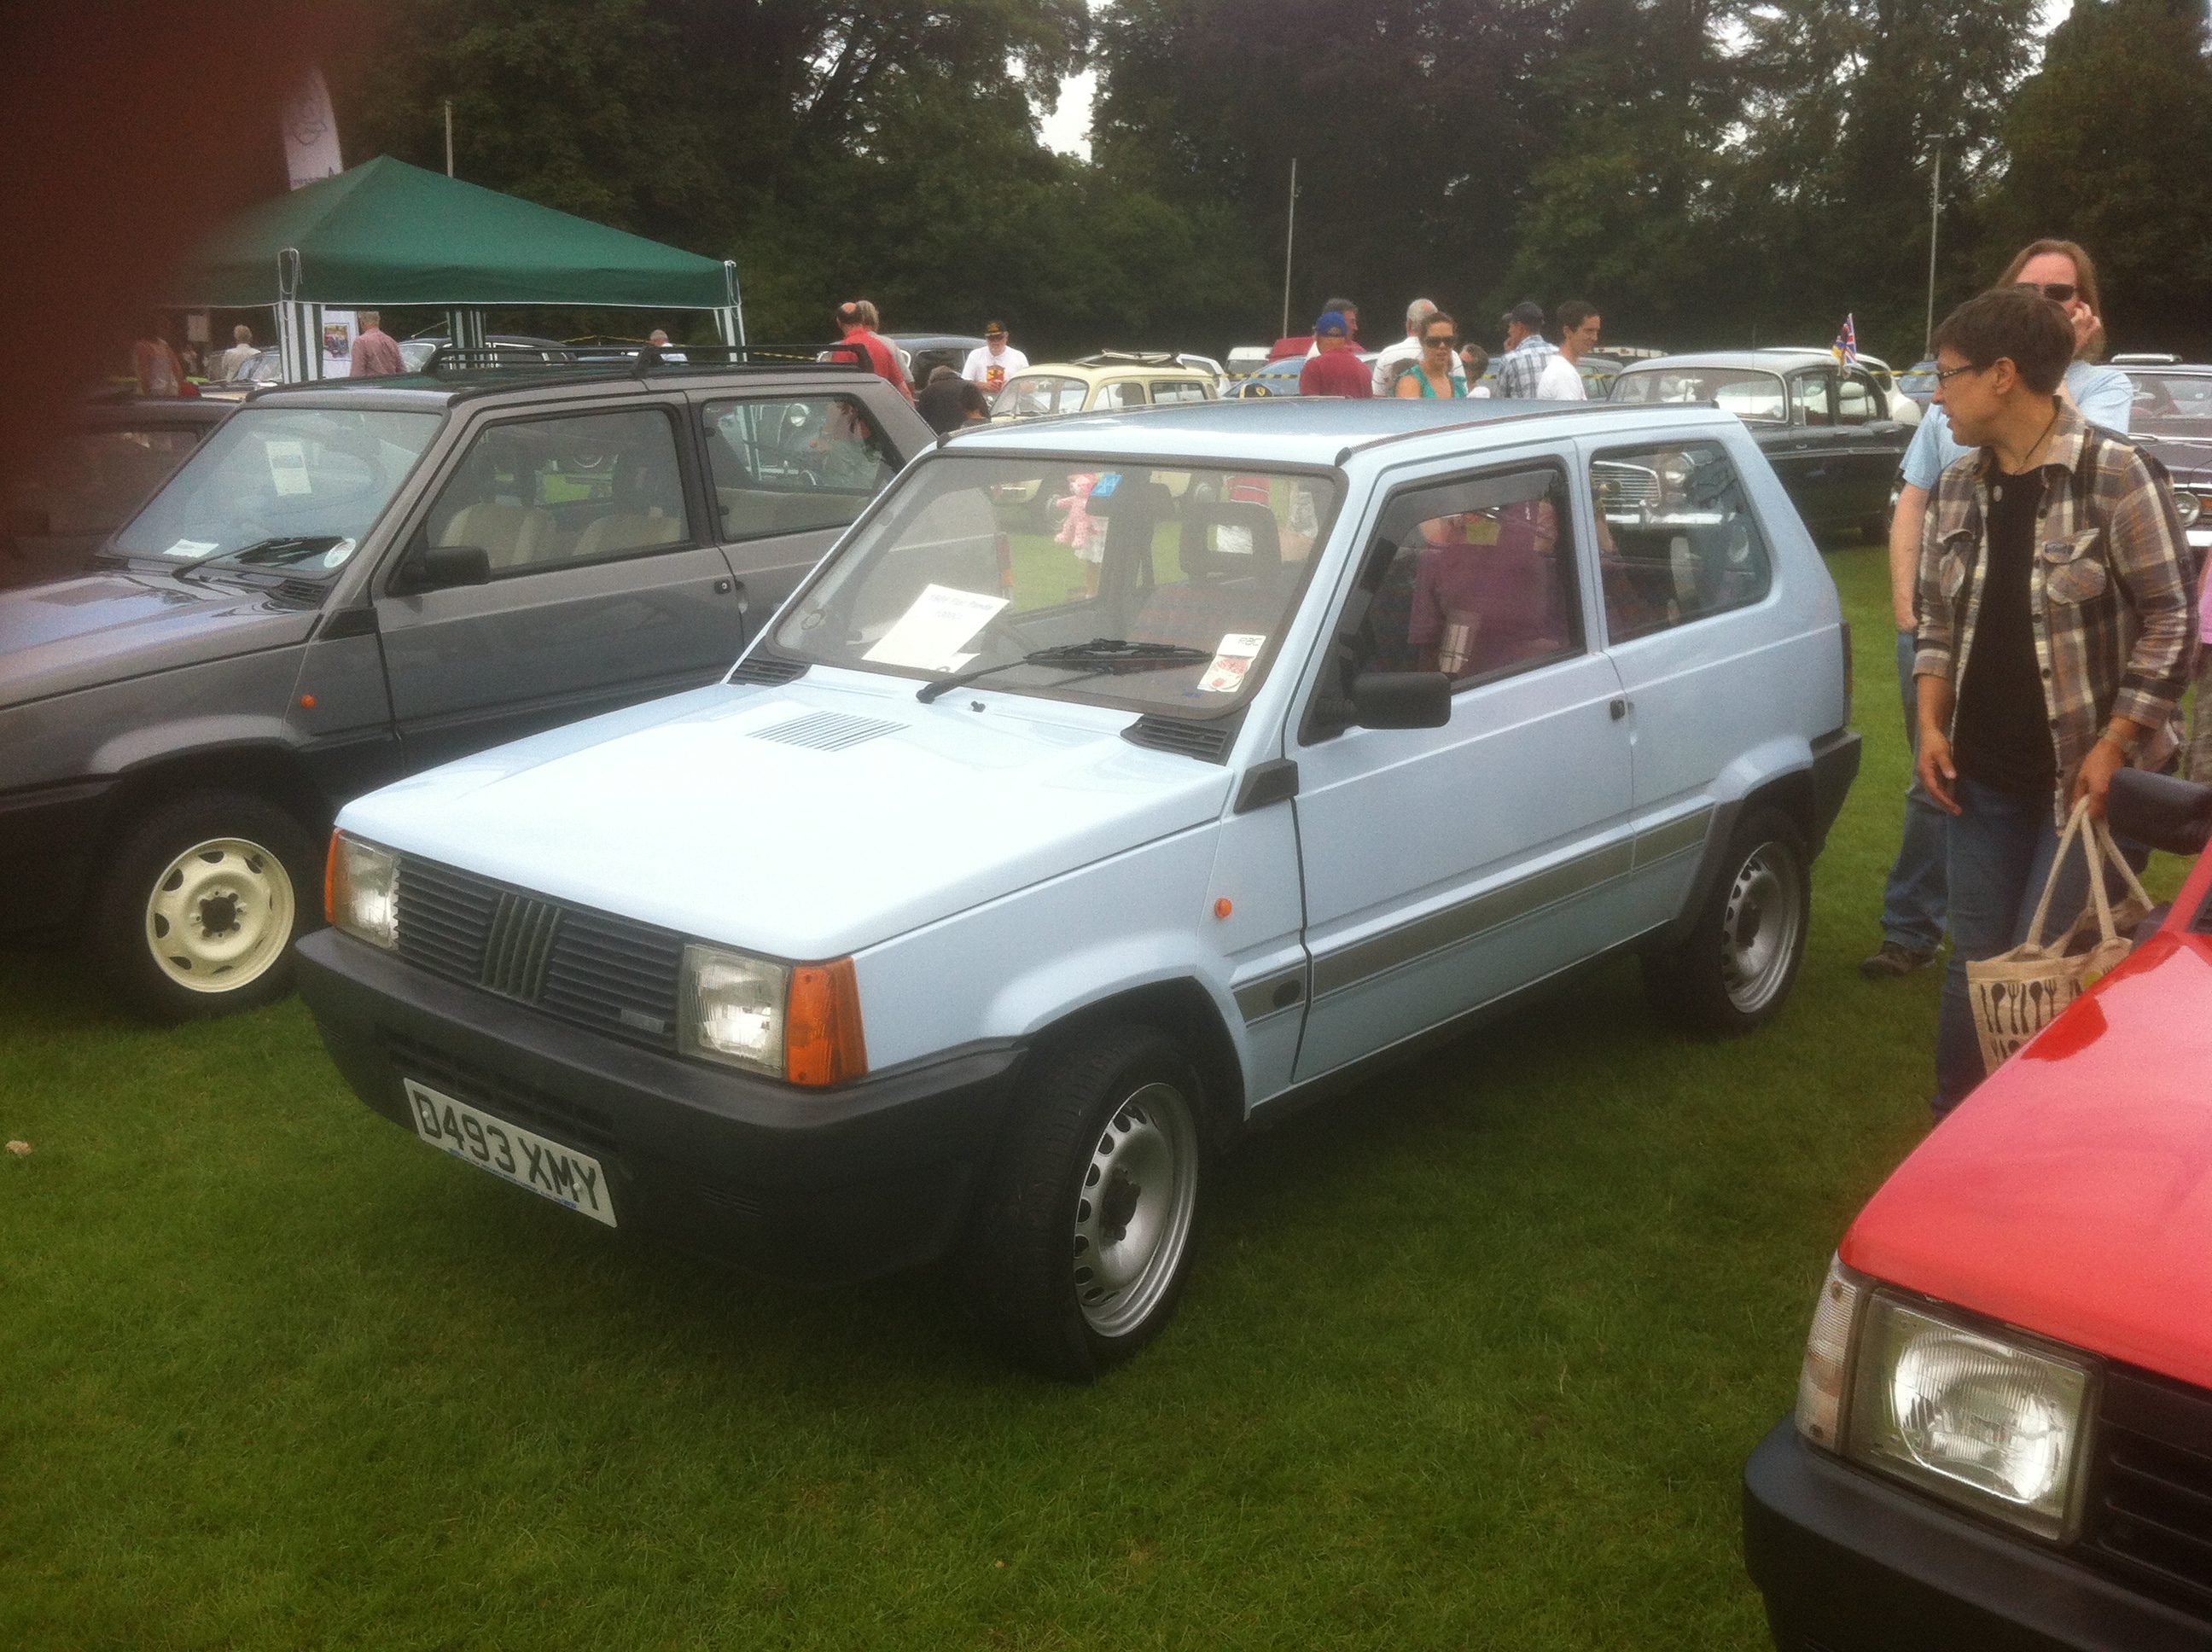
x: 2058, y: 292
x: 1944, y: 375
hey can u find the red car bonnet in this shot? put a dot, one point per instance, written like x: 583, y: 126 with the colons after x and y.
x: 2071, y: 1194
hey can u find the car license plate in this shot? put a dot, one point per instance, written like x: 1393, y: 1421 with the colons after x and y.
x: 511, y: 1153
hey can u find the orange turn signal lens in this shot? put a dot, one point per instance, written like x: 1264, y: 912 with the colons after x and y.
x: 823, y: 1040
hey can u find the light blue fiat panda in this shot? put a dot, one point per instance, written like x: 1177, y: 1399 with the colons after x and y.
x: 1117, y: 783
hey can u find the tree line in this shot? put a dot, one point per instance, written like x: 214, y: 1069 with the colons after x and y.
x: 1707, y: 171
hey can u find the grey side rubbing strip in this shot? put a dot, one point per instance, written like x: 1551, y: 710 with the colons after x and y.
x: 1272, y: 994
x: 1676, y: 835
x: 1356, y: 962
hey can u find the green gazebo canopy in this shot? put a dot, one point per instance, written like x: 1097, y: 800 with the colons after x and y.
x: 384, y: 233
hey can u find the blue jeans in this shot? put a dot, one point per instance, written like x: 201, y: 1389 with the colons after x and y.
x: 1912, y: 899
x: 2000, y: 854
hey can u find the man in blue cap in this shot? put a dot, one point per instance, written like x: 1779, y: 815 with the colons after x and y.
x: 1335, y: 369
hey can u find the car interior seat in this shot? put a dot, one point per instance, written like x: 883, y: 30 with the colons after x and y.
x: 511, y: 533
x: 1232, y: 559
x: 646, y: 511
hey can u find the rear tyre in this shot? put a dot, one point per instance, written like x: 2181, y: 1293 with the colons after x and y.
x: 200, y: 906
x: 1735, y: 969
x: 1080, y: 1250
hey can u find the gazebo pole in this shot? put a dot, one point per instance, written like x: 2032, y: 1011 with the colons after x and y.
x: 730, y: 320
x: 298, y: 326
x: 465, y: 328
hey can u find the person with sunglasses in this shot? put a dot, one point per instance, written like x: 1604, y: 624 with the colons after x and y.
x: 2055, y: 629
x: 1436, y: 375
x: 1913, y: 900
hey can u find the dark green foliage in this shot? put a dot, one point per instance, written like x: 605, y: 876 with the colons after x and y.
x: 2107, y: 147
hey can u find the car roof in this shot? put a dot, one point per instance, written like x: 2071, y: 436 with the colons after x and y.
x: 1766, y: 359
x: 1099, y: 372
x: 533, y: 381
x: 1308, y: 429
x: 2161, y: 369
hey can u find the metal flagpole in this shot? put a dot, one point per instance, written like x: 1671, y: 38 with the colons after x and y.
x: 1934, y: 207
x: 1290, y: 236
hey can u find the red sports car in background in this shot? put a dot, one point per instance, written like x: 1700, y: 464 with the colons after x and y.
x: 2003, y: 1435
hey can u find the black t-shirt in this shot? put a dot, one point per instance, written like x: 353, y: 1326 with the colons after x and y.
x: 2002, y: 735
x: 939, y: 404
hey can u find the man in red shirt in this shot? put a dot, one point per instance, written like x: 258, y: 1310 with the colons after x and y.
x: 374, y: 353
x: 857, y: 321
x: 1335, y: 369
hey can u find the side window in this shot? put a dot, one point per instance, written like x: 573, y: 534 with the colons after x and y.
x: 1121, y: 393
x: 1860, y: 403
x: 1677, y: 538
x: 783, y: 466
x: 1178, y: 390
x: 1809, y: 400
x: 547, y: 492
x: 1475, y: 577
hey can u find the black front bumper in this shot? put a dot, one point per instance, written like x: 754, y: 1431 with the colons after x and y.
x: 1851, y: 1563
x: 814, y: 1187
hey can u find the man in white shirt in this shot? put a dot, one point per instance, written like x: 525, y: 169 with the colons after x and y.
x: 242, y: 350
x: 1578, y: 329
x: 1390, y: 362
x: 994, y: 361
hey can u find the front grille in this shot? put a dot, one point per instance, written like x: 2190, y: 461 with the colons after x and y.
x: 610, y: 973
x: 1207, y: 742
x: 581, y: 1127
x: 2150, y: 1494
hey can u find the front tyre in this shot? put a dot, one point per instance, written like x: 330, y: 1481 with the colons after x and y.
x: 196, y: 915
x: 1085, y: 1235
x: 1737, y: 967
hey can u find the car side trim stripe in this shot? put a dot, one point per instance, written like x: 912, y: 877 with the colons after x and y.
x: 1272, y: 994
x: 1356, y: 963
x: 1676, y: 835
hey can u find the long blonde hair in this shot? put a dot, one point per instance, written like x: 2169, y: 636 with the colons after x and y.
x: 2085, y: 285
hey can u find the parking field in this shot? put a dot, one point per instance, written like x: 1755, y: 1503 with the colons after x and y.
x: 1472, y: 1357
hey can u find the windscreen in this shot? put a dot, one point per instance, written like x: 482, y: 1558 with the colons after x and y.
x: 275, y: 479
x: 2171, y: 404
x: 1749, y: 394
x: 1164, y: 591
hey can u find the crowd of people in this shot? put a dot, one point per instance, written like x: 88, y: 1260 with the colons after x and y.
x: 1433, y: 360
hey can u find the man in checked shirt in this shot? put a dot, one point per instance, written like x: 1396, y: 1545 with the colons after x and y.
x: 2055, y: 639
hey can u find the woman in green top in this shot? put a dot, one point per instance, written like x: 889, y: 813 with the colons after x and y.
x: 1436, y: 374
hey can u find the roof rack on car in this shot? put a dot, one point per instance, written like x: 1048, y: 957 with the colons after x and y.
x: 1133, y: 358
x: 640, y: 361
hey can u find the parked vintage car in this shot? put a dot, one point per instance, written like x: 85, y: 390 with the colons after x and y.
x: 2003, y: 1433
x: 353, y: 580
x: 1826, y: 429
x: 919, y: 352
x: 1111, y: 381
x: 1009, y: 875
x: 115, y: 451
x: 1918, y: 382
x: 2172, y: 418
x: 1904, y: 408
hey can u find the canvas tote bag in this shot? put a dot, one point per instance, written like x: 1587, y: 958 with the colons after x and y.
x: 2018, y: 993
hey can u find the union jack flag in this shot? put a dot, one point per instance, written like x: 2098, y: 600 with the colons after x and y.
x: 1847, y: 345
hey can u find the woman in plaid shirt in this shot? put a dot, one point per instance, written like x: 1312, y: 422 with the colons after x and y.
x: 2057, y: 628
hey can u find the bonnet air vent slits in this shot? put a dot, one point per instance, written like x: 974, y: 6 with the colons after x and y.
x: 767, y: 670
x: 1207, y: 742
x: 827, y: 730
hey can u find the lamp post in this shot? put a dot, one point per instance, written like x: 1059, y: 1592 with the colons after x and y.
x: 1935, y: 210
x: 1290, y: 236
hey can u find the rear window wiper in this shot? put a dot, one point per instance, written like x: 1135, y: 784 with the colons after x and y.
x: 1105, y: 655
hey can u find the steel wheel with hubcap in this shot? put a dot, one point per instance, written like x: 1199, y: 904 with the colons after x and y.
x: 200, y: 905
x: 1084, y: 1236
x: 1741, y: 959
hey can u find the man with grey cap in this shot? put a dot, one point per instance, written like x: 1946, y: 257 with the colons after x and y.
x: 1399, y: 356
x: 1528, y: 353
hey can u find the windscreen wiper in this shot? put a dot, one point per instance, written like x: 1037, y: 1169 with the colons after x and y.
x: 1104, y: 655
x: 282, y: 551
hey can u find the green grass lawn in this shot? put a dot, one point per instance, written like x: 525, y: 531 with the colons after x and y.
x: 1471, y: 1359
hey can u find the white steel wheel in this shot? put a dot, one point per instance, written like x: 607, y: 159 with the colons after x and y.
x: 1760, y: 927
x: 220, y: 915
x: 1134, y: 1214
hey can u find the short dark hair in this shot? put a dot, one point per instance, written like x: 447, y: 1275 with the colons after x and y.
x: 938, y: 373
x: 2010, y: 324
x: 1341, y: 304
x: 1573, y: 313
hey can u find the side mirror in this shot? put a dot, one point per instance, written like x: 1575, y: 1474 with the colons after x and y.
x: 1402, y: 699
x: 439, y: 568
x: 2163, y: 810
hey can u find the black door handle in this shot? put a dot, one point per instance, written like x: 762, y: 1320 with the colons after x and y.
x: 1619, y: 709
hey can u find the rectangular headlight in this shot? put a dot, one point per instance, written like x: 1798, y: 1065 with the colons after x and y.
x: 361, y: 890
x: 1972, y: 1416
x: 731, y: 1008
